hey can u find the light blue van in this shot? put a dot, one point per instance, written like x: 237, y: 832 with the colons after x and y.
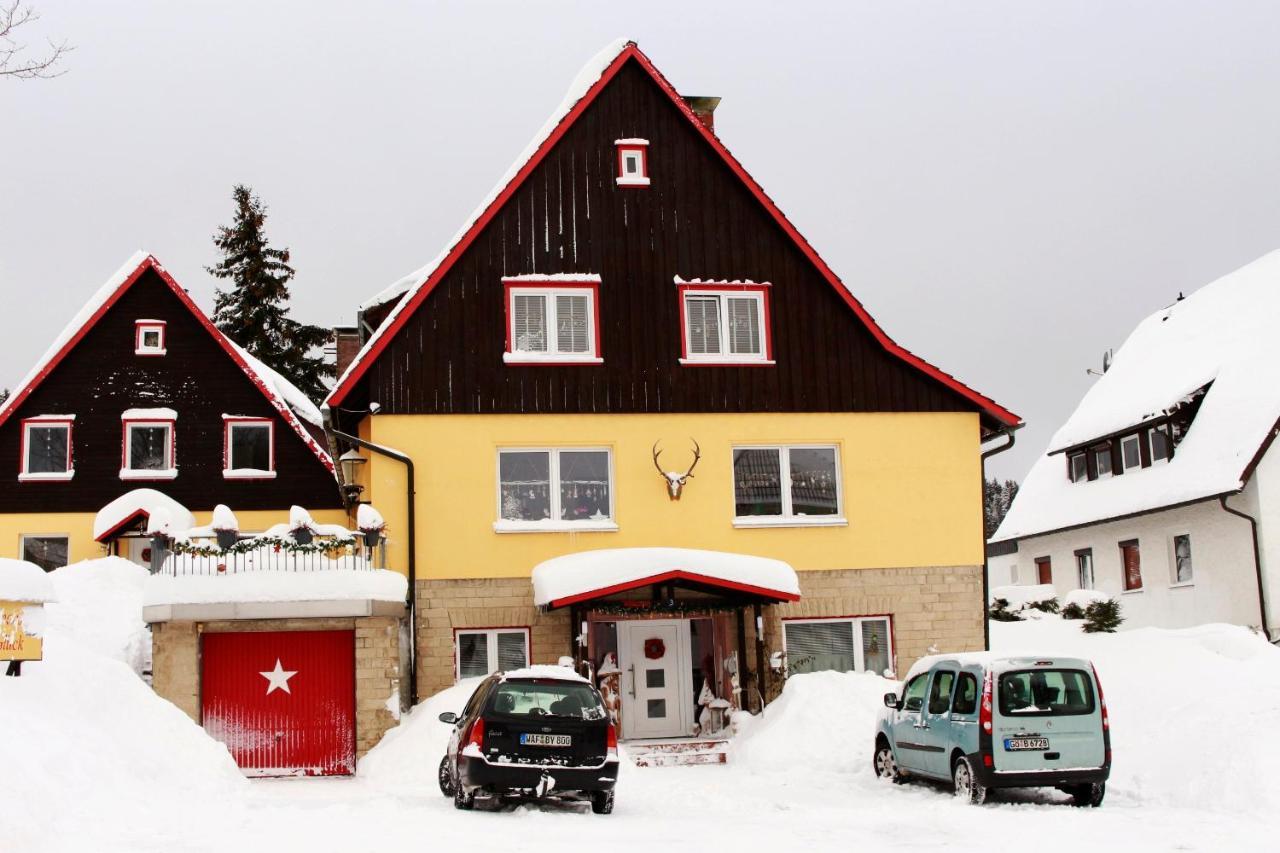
x: 981, y: 722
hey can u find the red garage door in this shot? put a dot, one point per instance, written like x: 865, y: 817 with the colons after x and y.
x: 282, y: 701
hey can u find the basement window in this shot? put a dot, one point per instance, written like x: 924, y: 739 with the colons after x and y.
x: 633, y: 162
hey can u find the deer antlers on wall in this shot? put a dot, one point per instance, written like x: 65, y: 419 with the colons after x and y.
x: 675, y: 479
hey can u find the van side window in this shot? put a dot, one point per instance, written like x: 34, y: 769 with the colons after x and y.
x: 940, y: 695
x: 966, y: 698
x: 913, y: 696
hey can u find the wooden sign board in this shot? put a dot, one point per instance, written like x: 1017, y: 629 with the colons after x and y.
x: 20, y: 623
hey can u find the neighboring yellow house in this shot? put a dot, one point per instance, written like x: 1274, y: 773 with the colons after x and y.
x: 630, y: 298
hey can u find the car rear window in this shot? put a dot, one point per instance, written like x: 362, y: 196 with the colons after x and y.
x: 1046, y: 693
x: 547, y: 698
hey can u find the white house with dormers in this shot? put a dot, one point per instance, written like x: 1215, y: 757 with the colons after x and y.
x: 1163, y: 487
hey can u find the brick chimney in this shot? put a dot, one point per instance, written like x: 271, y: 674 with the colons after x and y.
x: 346, y: 345
x: 704, y: 107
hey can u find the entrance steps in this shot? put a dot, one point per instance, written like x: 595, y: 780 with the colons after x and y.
x: 677, y: 752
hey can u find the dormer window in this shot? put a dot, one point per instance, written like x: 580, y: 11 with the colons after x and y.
x: 1102, y: 461
x: 553, y: 319
x: 1159, y: 446
x: 633, y: 162
x: 1079, y: 467
x: 148, y: 337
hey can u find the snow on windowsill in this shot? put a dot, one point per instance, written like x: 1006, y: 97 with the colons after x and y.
x: 152, y: 351
x: 1132, y: 591
x: 792, y: 521
x: 630, y: 142
x: 556, y: 276
x: 549, y: 526
x: 633, y: 182
x: 58, y: 477
x: 160, y: 474
x: 556, y: 358
x: 247, y: 474
x: 725, y: 362
x: 51, y: 418
x: 148, y: 415
x: 1187, y: 585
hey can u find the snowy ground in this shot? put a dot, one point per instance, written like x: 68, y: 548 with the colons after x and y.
x: 102, y: 764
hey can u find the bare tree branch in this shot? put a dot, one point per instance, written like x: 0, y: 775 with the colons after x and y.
x: 12, y: 62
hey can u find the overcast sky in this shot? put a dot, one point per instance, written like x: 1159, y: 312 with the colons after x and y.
x: 1007, y: 186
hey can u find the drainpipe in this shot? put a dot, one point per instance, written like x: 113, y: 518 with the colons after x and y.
x: 1257, y: 563
x: 388, y: 452
x: 1007, y: 432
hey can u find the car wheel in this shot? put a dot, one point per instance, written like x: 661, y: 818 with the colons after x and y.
x: 1088, y: 795
x: 885, y: 765
x: 602, y: 802
x: 445, y: 777
x: 966, y: 784
x: 462, y: 799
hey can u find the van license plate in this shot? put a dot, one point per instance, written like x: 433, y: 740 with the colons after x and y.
x: 1014, y: 744
x: 545, y: 740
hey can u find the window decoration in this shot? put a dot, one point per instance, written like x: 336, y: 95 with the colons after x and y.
x: 724, y: 322
x: 48, y: 551
x: 654, y: 648
x: 552, y: 319
x: 46, y: 448
x: 148, y: 445
x: 1182, y: 569
x: 555, y: 489
x: 812, y: 493
x: 149, y: 337
x: 845, y: 644
x: 484, y: 651
x: 633, y: 162
x: 248, y: 447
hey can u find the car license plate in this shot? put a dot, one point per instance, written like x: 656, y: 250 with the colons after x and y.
x: 1014, y: 744
x: 545, y: 740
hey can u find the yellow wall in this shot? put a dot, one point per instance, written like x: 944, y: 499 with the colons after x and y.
x: 911, y: 488
x: 79, y: 527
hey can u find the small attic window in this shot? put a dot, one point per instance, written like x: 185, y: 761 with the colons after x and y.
x: 633, y: 162
x: 148, y: 337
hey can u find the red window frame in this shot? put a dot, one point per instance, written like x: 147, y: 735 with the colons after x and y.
x: 27, y: 423
x: 230, y: 421
x: 511, y: 285
x: 139, y: 474
x: 480, y: 629
x: 633, y: 146
x: 725, y: 288
x: 141, y: 326
x: 1044, y: 567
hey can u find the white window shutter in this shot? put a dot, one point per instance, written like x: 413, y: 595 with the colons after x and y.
x: 529, y: 323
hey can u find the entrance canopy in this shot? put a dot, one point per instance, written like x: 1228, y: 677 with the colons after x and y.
x: 589, y: 575
x: 137, y: 507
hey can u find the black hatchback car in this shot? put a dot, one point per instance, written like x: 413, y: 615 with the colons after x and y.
x: 536, y: 732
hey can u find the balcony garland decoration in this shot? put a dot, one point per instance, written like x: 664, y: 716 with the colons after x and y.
x: 683, y: 608
x: 276, y: 543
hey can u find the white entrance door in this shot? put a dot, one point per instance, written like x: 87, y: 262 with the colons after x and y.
x: 138, y: 550
x: 657, y: 678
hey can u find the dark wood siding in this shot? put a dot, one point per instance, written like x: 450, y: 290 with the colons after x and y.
x: 696, y: 220
x: 102, y: 377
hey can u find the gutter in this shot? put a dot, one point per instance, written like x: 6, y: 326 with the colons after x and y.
x: 1257, y: 563
x: 411, y: 503
x: 1007, y: 432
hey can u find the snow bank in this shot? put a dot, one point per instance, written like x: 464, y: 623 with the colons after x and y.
x: 333, y: 584
x: 1082, y: 598
x: 23, y: 581
x: 1190, y: 710
x: 99, y: 607
x: 406, y: 758
x: 1019, y: 596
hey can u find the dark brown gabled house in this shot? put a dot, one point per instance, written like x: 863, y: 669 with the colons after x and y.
x: 142, y: 392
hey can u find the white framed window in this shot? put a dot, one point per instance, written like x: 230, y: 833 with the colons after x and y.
x: 787, y: 485
x: 148, y: 452
x: 149, y: 337
x: 1183, y: 573
x: 482, y: 651
x: 842, y: 644
x: 725, y: 326
x: 552, y: 324
x: 46, y: 449
x: 1102, y: 462
x: 551, y: 489
x: 1078, y: 467
x: 49, y: 551
x: 1084, y: 568
x: 249, y: 448
x: 1130, y: 452
x: 1160, y: 449
x: 633, y: 162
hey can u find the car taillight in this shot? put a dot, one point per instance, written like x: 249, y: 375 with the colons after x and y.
x: 1102, y: 700
x: 984, y: 714
x: 611, y: 741
x: 476, y: 735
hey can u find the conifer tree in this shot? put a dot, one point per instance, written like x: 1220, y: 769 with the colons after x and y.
x: 254, y: 311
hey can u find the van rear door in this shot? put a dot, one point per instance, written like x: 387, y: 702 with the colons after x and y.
x: 1047, y: 717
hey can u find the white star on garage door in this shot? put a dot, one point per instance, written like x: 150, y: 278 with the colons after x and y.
x: 278, y: 678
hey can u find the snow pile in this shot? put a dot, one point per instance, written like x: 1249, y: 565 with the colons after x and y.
x: 1183, y: 704
x: 23, y: 581
x: 368, y: 518
x: 1021, y: 596
x: 587, y: 571
x: 1082, y: 598
x: 276, y: 582
x: 125, y: 508
x: 406, y: 758
x: 99, y: 607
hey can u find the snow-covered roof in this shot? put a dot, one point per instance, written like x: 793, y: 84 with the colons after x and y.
x: 140, y: 502
x: 1223, y: 334
x: 26, y: 582
x: 590, y: 574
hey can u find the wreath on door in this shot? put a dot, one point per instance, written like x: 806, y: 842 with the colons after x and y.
x: 654, y: 648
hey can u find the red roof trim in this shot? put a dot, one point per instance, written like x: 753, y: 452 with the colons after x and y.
x: 675, y: 574
x: 631, y: 51
x: 133, y: 516
x: 150, y: 263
